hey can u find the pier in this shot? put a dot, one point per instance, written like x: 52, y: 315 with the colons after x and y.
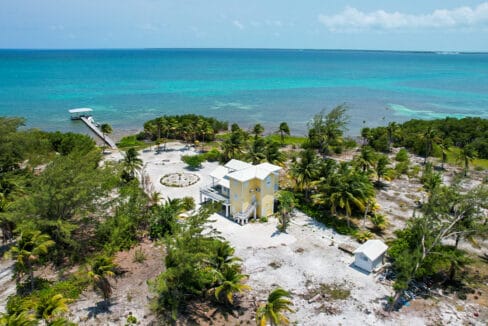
x: 84, y: 114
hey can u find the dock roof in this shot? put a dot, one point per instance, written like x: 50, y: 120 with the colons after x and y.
x: 80, y: 110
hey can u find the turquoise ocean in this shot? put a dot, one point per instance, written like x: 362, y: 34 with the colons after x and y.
x: 127, y: 87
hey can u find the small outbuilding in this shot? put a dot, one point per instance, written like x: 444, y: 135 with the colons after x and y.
x: 370, y: 255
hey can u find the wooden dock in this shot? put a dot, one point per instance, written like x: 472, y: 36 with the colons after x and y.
x: 98, y: 132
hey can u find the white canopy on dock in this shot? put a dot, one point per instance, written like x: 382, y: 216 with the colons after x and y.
x: 80, y: 110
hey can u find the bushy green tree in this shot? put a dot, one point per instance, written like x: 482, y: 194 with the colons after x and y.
x: 326, y: 130
x: 193, y: 161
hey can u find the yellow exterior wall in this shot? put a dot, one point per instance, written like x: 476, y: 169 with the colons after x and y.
x: 241, y: 196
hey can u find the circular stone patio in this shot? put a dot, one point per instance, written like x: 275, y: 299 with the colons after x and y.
x: 179, y: 180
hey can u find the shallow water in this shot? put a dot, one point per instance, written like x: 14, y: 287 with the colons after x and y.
x: 127, y: 87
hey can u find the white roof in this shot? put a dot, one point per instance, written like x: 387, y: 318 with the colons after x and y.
x: 260, y: 172
x: 224, y: 183
x: 219, y: 173
x: 269, y: 167
x: 237, y: 165
x: 242, y: 171
x: 372, y: 249
x: 80, y: 110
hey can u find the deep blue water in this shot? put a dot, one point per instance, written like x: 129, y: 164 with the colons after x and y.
x: 127, y: 87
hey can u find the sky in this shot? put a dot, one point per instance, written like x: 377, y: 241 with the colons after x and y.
x: 430, y: 25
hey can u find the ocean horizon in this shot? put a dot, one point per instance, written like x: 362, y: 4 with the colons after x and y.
x: 126, y: 87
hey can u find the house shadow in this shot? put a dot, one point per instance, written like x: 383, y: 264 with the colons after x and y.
x: 353, y: 266
x: 101, y: 307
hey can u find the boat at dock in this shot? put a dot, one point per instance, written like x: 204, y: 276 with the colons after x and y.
x: 85, y: 115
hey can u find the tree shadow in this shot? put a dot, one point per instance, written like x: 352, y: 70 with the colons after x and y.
x: 101, y: 307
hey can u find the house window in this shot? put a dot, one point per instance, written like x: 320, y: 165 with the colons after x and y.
x: 235, y: 197
x: 364, y: 258
x: 268, y: 180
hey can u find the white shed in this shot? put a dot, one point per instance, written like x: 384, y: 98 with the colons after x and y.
x: 369, y: 256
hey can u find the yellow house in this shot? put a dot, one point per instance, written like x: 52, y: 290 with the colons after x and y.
x: 244, y: 189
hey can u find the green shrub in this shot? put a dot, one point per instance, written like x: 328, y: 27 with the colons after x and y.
x: 187, y: 203
x: 139, y: 256
x: 213, y: 155
x: 363, y: 235
x: 402, y: 155
x: 379, y: 221
x: 194, y: 161
x: 130, y: 141
x: 401, y: 168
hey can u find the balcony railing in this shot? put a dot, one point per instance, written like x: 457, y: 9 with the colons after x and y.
x: 212, y: 193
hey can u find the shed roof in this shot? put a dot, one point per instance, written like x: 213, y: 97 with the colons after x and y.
x: 372, y: 249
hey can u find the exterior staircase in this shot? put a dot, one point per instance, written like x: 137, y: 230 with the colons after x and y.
x: 243, y: 217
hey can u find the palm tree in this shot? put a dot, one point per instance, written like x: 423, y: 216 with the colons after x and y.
x: 101, y: 271
x: 106, y: 130
x: 160, y: 122
x: 132, y: 162
x: 345, y: 189
x: 224, y: 256
x: 429, y: 138
x: 305, y: 170
x: 27, y: 251
x: 154, y: 198
x: 444, y: 146
x: 283, y: 130
x: 287, y: 204
x: 257, y: 130
x: 466, y: 156
x: 51, y: 307
x: 230, y: 281
x: 256, y: 153
x: 366, y: 159
x: 7, y: 224
x: 272, y: 311
x: 391, y: 129
x: 273, y: 154
x: 232, y: 146
x: 381, y: 166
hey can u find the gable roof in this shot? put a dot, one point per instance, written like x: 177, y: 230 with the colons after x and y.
x: 372, y: 249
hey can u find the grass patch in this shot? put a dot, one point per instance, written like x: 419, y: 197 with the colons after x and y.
x: 131, y: 141
x: 330, y: 292
x: 289, y: 140
x: 453, y: 158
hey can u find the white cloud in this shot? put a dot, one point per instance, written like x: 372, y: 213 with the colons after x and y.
x: 354, y: 19
x: 238, y: 24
